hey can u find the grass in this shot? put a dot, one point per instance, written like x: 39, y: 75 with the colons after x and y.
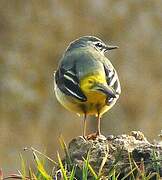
x: 68, y: 171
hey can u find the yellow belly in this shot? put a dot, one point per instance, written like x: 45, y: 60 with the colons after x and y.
x: 94, y: 105
x: 95, y: 102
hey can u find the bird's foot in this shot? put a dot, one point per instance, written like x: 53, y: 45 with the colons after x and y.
x: 95, y: 136
x: 92, y: 136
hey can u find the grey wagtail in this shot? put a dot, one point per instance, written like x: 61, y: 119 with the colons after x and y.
x: 85, y: 81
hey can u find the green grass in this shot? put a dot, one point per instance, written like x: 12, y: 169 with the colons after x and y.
x: 68, y: 170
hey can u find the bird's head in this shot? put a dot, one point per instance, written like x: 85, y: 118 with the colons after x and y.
x: 91, y: 41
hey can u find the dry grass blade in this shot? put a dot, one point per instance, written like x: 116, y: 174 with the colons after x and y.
x: 130, y: 163
x: 131, y: 172
x: 32, y: 176
x: 64, y: 147
x: 34, y: 150
x: 23, y: 167
x: 103, y: 161
x: 15, y: 176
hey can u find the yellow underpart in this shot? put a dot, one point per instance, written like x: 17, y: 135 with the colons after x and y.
x: 86, y: 85
x: 95, y: 99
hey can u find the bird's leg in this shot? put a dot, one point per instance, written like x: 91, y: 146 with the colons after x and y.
x: 84, y: 125
x: 98, y: 133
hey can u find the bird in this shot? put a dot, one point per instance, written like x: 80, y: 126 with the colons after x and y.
x: 85, y: 81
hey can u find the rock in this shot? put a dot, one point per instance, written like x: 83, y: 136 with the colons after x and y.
x: 116, y: 150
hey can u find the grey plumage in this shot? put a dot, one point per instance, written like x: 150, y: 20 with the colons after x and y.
x: 86, y: 81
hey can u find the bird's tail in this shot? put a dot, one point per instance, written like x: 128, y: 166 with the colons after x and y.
x: 109, y: 91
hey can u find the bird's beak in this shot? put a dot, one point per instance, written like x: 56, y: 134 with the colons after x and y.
x: 111, y: 47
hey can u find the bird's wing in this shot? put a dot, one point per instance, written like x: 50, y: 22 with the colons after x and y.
x: 68, y: 82
x: 112, y: 78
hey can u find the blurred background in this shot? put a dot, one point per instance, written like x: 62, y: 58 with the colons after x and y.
x: 33, y: 36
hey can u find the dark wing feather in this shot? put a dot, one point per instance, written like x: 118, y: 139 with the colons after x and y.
x: 112, y: 81
x: 112, y: 78
x: 68, y: 83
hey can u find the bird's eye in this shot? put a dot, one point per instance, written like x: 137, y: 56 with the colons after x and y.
x: 98, y: 44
